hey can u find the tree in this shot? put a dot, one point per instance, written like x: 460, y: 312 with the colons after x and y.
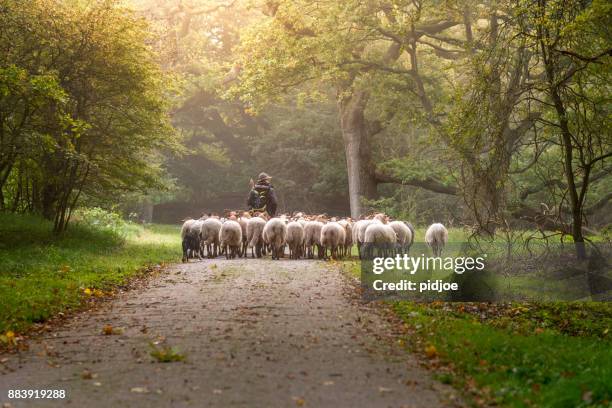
x: 571, y: 41
x: 351, y: 43
x: 113, y: 117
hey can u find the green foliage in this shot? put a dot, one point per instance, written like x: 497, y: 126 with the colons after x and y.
x: 100, y: 219
x: 43, y: 274
x: 102, y: 117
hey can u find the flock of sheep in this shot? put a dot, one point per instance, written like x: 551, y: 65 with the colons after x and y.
x: 232, y: 236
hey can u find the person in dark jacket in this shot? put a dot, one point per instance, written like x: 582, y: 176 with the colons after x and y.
x: 262, y: 197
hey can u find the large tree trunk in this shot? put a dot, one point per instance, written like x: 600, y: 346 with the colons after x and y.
x: 360, y: 169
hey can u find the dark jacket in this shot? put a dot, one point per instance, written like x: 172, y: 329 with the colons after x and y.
x: 263, y: 198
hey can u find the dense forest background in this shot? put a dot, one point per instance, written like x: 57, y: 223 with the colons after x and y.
x: 491, y: 115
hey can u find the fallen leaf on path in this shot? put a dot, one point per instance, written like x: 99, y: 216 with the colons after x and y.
x: 384, y: 389
x: 328, y: 383
x: 140, y: 390
x: 109, y: 330
x: 217, y: 391
x: 299, y: 401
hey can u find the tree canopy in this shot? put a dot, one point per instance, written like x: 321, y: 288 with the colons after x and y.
x: 487, y: 114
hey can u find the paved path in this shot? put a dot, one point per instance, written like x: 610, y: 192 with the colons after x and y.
x: 255, y: 333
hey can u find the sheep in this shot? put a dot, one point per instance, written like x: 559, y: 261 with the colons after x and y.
x: 404, y: 235
x: 275, y: 235
x: 189, y: 242
x: 312, y: 238
x: 348, y: 237
x: 255, y: 228
x: 381, y: 236
x: 436, y: 238
x: 295, y: 239
x: 210, y: 235
x: 194, y: 231
x: 243, y: 221
x: 381, y: 217
x: 356, y: 228
x: 332, y: 237
x: 230, y: 238
x: 359, y: 230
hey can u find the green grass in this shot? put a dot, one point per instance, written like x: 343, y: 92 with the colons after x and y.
x: 544, y: 368
x: 42, y: 274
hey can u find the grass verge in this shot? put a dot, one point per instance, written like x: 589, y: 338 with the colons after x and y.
x: 42, y: 274
x: 556, y: 354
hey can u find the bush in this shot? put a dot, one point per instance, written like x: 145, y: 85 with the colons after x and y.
x: 101, y: 219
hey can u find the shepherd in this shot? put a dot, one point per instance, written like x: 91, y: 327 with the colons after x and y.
x: 262, y: 197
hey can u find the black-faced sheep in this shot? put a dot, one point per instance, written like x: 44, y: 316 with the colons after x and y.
x: 230, y: 237
x: 275, y: 235
x: 436, y: 238
x: 187, y: 239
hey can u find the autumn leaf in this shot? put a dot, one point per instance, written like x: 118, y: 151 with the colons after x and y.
x: 109, y: 330
x: 299, y: 401
x: 87, y: 291
x: 8, y: 338
x: 431, y: 351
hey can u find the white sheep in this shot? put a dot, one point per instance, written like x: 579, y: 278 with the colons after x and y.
x: 380, y: 236
x: 436, y: 237
x: 210, y: 236
x: 255, y: 241
x: 230, y: 237
x: 295, y: 239
x: 348, y: 237
x: 312, y: 238
x: 359, y: 230
x: 381, y: 217
x: 243, y: 221
x: 332, y: 237
x: 275, y: 235
x: 404, y: 235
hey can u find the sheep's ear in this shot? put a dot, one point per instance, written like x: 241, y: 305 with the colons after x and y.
x: 251, y: 183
